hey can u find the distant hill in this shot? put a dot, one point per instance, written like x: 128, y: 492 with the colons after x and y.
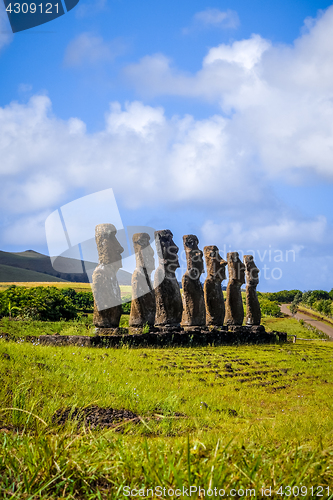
x: 34, y: 262
x: 16, y: 274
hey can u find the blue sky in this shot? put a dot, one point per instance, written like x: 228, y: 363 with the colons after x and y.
x: 213, y: 118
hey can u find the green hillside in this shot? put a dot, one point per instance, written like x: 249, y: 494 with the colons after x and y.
x: 16, y: 274
x: 29, y: 253
x: 41, y: 264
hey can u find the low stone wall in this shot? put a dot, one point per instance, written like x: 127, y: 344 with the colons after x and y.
x: 170, y: 338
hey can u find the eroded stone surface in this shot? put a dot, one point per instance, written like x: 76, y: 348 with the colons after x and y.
x: 105, y: 286
x: 143, y: 297
x: 234, y: 304
x: 194, y: 313
x: 214, y: 301
x: 167, y: 293
x: 253, y: 312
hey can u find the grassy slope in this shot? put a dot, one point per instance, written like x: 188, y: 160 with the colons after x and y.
x: 37, y: 262
x: 291, y: 326
x: 268, y: 422
x: 315, y: 314
x: 12, y: 274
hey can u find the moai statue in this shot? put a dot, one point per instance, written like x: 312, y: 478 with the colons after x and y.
x: 105, y: 286
x: 143, y: 296
x: 168, y: 299
x: 253, y: 312
x: 212, y: 287
x: 194, y: 313
x: 234, y: 303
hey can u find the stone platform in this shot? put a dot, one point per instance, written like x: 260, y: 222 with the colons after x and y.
x: 168, y: 337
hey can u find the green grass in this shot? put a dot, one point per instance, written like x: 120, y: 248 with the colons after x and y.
x: 292, y: 327
x: 267, y: 421
x: 19, y: 329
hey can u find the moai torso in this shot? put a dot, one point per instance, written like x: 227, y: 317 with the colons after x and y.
x: 214, y: 300
x: 105, y: 286
x: 167, y: 293
x: 143, y: 297
x: 253, y: 312
x: 194, y: 313
x: 234, y: 303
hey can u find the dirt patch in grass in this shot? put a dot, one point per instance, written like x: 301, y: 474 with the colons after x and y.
x: 94, y: 416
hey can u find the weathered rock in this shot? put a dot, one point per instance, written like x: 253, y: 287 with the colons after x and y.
x: 253, y: 312
x: 214, y: 300
x: 234, y: 304
x: 168, y: 299
x: 194, y: 313
x: 105, y: 286
x: 143, y: 297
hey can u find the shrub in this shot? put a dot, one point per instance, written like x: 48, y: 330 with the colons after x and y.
x: 323, y: 306
x: 268, y: 307
x: 126, y: 304
x: 293, y: 308
x: 320, y: 294
x: 283, y: 296
x: 43, y: 303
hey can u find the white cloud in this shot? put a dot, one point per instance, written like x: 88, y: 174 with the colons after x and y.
x: 213, y: 18
x: 6, y: 35
x: 244, y: 53
x: 274, y: 125
x: 90, y: 8
x: 87, y: 49
x: 27, y: 230
x: 137, y: 118
x: 149, y: 160
x: 279, y: 98
x: 279, y: 233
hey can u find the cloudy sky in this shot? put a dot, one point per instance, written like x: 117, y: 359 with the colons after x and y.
x: 205, y: 117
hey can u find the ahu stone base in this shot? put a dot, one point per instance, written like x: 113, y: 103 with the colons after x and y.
x: 168, y: 337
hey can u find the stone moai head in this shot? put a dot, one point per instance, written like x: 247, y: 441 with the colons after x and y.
x: 214, y: 262
x: 252, y: 272
x: 236, y: 268
x: 167, y: 250
x: 109, y: 248
x: 144, y: 254
x: 194, y: 260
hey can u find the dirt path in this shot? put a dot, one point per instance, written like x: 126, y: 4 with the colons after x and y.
x: 308, y: 319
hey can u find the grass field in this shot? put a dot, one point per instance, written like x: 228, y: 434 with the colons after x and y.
x: 292, y: 327
x: 234, y: 418
x: 84, y: 326
x: 242, y: 417
x: 78, y: 287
